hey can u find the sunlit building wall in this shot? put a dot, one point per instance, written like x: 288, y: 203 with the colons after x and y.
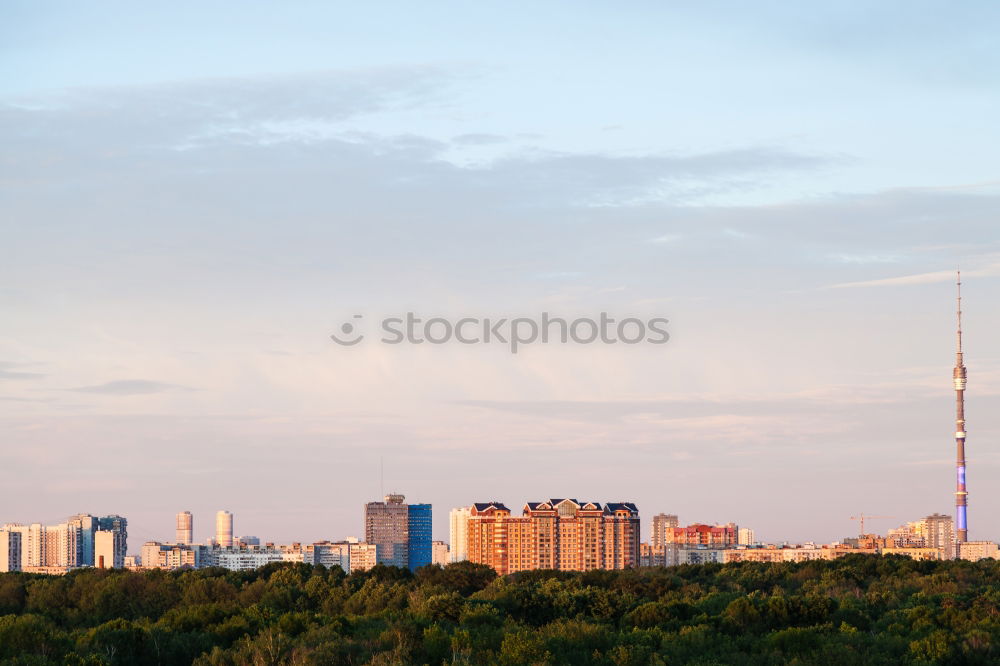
x: 185, y: 527
x: 458, y: 532
x: 224, y: 529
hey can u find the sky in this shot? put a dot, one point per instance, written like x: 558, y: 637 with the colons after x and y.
x: 195, y: 197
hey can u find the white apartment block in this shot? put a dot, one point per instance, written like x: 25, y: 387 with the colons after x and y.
x: 109, y: 550
x: 458, y: 520
x: 10, y: 551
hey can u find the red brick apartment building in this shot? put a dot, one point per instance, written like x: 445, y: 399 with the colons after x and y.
x: 561, y: 534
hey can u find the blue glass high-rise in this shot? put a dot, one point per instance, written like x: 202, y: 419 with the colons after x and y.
x: 419, y: 539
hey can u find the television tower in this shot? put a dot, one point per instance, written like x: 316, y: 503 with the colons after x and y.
x: 961, y: 496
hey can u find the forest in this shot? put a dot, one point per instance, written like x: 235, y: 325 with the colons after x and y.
x: 860, y: 609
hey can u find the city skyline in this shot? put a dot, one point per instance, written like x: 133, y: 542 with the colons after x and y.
x: 557, y: 534
x: 189, y: 220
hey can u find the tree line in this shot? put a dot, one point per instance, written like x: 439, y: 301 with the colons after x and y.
x: 859, y: 609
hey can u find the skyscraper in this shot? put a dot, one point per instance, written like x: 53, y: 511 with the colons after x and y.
x: 458, y: 532
x: 185, y: 527
x: 119, y: 526
x: 88, y: 525
x: 387, y: 525
x: 958, y: 376
x: 224, y: 529
x: 661, y: 523
x: 419, y: 551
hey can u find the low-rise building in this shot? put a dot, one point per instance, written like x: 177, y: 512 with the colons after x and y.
x: 440, y: 553
x: 978, y: 550
x: 916, y: 553
x: 798, y: 553
x: 328, y: 553
x: 364, y: 556
x: 156, y: 555
x: 699, y: 534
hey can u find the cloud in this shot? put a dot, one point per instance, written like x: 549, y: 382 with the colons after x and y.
x: 596, y: 179
x: 6, y: 373
x: 223, y: 128
x: 665, y: 238
x: 121, y: 124
x: 127, y: 387
x: 990, y: 270
x: 844, y: 258
x: 478, y: 139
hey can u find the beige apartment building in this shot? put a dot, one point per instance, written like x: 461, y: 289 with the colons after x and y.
x: 978, y: 550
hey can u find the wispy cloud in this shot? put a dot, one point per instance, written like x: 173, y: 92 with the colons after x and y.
x: 478, y: 139
x: 7, y: 373
x: 845, y: 258
x: 990, y: 270
x: 128, y: 387
x: 665, y: 238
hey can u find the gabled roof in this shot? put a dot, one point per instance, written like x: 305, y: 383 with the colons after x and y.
x: 486, y: 506
x: 611, y: 507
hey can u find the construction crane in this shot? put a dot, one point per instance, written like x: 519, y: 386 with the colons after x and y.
x: 863, y: 516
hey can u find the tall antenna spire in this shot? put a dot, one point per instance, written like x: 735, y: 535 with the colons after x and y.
x: 958, y: 284
x: 959, y: 378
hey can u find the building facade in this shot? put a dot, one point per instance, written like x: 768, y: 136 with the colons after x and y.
x: 458, y: 532
x: 916, y: 553
x: 185, y: 528
x: 329, y: 554
x: 156, y: 555
x: 109, y: 549
x: 699, y: 534
x: 119, y: 526
x: 224, y: 528
x: 10, y: 550
x: 561, y: 534
x: 400, y: 532
x: 440, y: 553
x: 978, y: 550
x: 363, y: 556
x: 52, y: 548
x: 804, y: 553
x: 661, y: 523
x: 938, y: 531
x: 387, y: 526
x: 419, y: 551
x: 88, y: 526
